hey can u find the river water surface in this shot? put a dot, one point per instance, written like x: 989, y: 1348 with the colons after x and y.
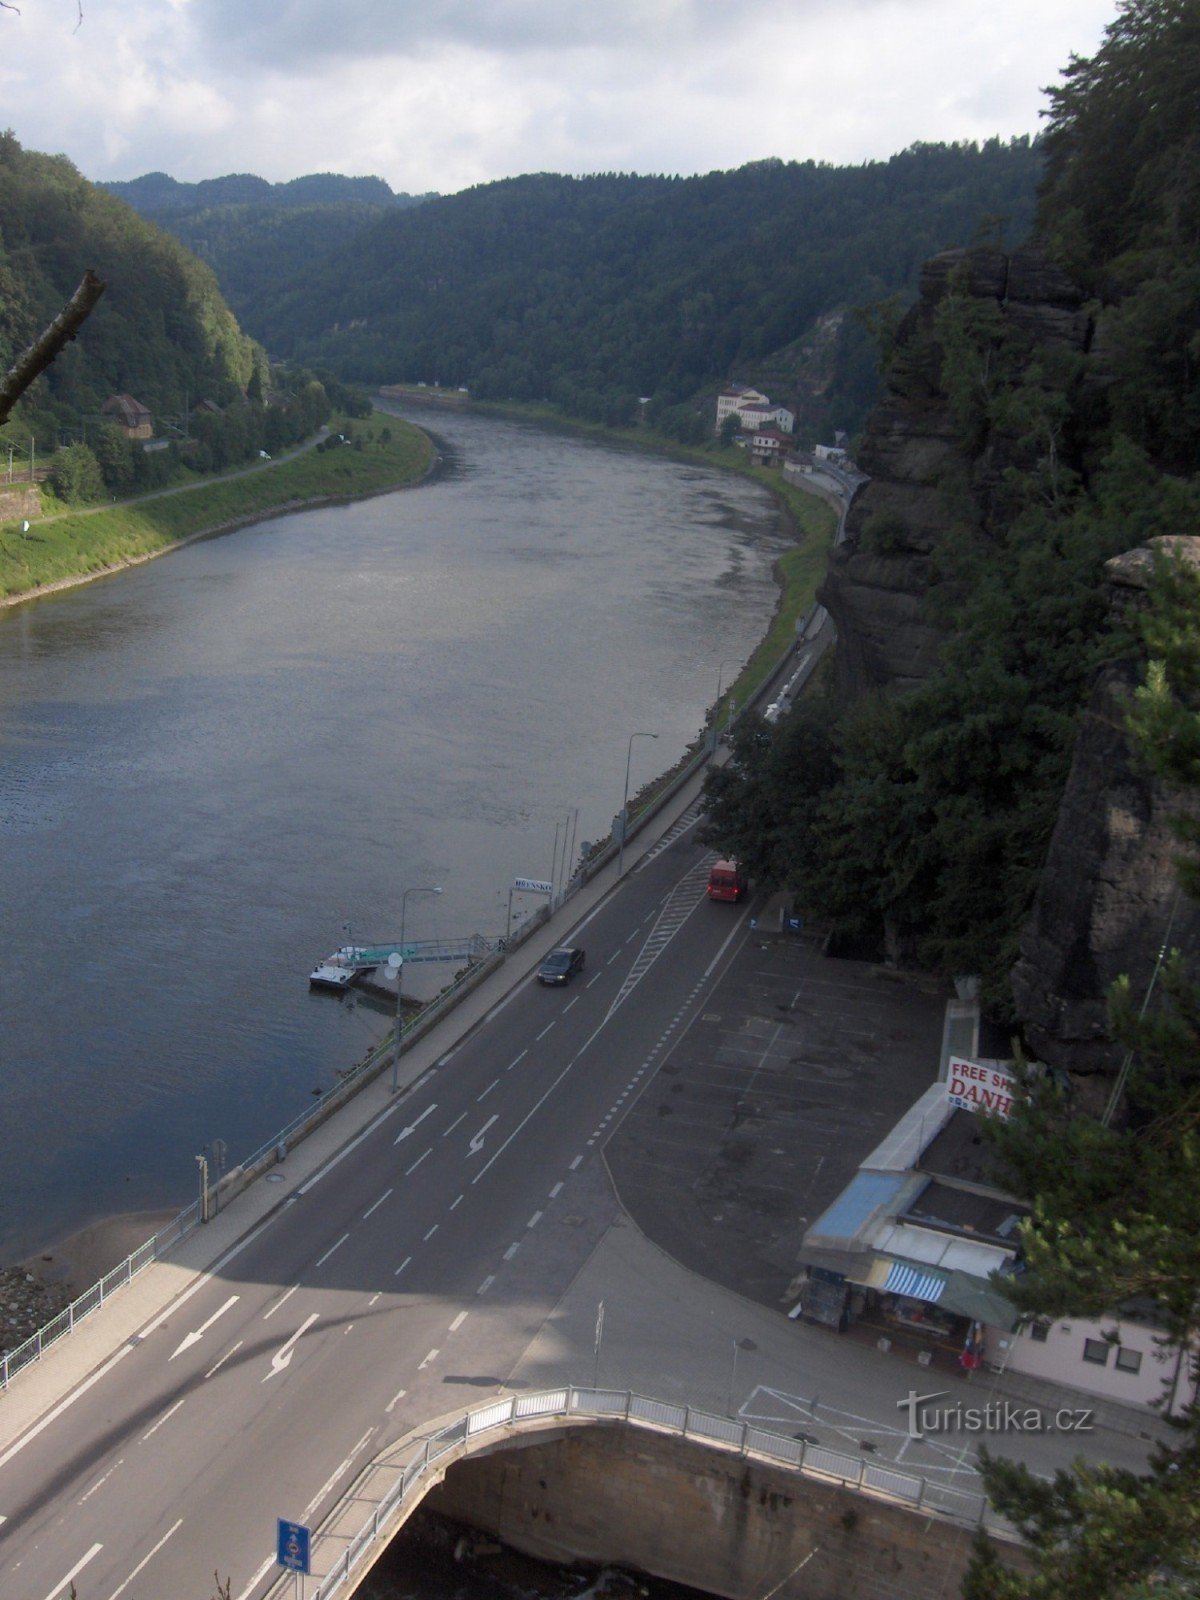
x: 212, y: 763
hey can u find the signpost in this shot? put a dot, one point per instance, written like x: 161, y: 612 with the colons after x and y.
x: 525, y: 886
x: 292, y: 1550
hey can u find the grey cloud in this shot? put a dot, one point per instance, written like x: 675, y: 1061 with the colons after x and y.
x: 300, y: 35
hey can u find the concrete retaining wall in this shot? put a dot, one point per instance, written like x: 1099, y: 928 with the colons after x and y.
x: 739, y: 1528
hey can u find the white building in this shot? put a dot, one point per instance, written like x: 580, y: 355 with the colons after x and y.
x: 753, y: 410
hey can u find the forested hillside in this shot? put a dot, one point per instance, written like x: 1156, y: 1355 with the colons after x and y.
x: 594, y: 292
x: 244, y: 227
x: 161, y: 332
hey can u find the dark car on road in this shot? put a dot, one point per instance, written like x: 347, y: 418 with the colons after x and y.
x: 561, y: 965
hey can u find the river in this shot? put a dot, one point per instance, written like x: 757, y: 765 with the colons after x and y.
x: 211, y: 764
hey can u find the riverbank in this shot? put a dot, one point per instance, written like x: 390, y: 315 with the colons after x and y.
x: 34, y: 1291
x: 384, y: 454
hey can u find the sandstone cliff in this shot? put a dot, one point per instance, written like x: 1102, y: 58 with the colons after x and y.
x: 1108, y: 897
x: 881, y: 575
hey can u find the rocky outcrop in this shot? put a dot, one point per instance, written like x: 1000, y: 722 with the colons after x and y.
x: 1108, y: 897
x: 921, y: 483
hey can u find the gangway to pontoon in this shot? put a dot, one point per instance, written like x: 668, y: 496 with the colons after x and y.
x: 339, y: 970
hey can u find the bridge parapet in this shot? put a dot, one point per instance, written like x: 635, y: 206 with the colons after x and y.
x: 358, y: 1530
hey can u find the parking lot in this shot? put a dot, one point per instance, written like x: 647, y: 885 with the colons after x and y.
x: 762, y: 1111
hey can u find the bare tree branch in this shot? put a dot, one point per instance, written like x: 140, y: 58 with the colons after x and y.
x: 53, y: 339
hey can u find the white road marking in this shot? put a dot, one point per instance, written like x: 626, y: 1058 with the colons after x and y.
x: 194, y: 1338
x: 486, y: 1284
x: 458, y: 1322
x: 412, y: 1127
x: 460, y: 1118
x: 257, y: 1579
x: 166, y: 1417
x: 333, y: 1478
x: 75, y: 1570
x: 283, y: 1356
x: 431, y: 1233
x: 555, y: 1192
x: 569, y: 1004
x: 576, y: 1162
x: 516, y: 1060
x: 224, y: 1358
x: 287, y: 1295
x: 408, y: 1171
x: 454, y: 1204
x: 384, y: 1196
x: 591, y: 981
x: 511, y: 1251
x: 145, y: 1561
x: 373, y: 1298
x: 534, y: 1220
x: 401, y: 1267
x: 432, y: 1356
x: 477, y: 1141
x: 395, y: 1400
x: 345, y: 1151
x: 487, y: 1091
x: 98, y: 1483
x: 544, y: 1031
x: 330, y: 1251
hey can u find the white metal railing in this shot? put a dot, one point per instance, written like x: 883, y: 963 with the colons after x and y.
x: 603, y: 1405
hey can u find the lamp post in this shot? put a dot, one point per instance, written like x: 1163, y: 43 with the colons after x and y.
x: 625, y: 800
x: 400, y: 981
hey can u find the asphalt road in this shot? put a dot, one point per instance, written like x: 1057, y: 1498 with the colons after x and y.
x: 384, y: 1288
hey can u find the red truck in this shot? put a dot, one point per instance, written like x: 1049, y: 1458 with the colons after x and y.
x: 726, y: 881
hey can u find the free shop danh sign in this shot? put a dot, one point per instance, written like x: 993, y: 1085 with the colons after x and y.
x: 980, y: 1086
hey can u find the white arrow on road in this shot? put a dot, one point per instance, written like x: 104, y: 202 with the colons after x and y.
x: 282, y: 1357
x: 404, y: 1133
x: 477, y: 1141
x: 194, y: 1338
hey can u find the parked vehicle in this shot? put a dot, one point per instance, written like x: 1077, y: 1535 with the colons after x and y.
x: 727, y: 881
x: 561, y: 965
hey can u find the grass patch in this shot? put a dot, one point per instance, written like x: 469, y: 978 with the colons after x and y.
x: 87, y: 542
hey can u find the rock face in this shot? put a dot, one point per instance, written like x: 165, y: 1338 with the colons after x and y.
x: 1108, y: 897
x: 880, y: 576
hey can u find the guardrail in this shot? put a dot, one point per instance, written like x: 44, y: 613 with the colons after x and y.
x: 623, y: 1405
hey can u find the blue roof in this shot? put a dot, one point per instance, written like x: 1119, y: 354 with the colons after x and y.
x: 857, y: 1204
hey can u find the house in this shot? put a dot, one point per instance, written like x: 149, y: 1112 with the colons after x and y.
x: 130, y: 415
x: 909, y: 1248
x: 734, y: 399
x: 768, y: 446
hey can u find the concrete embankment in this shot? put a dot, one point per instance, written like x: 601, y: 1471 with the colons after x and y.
x: 731, y: 1526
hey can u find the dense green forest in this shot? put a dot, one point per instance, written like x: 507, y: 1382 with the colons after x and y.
x: 243, y: 227
x: 161, y: 332
x: 595, y: 292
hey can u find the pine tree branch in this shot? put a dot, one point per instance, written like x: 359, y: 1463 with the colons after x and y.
x: 53, y: 339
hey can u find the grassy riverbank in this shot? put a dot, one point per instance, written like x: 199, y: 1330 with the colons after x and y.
x: 74, y: 546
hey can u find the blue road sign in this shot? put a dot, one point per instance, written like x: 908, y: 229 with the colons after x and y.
x: 292, y: 1547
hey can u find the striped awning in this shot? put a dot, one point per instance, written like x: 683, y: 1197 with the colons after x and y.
x: 916, y: 1282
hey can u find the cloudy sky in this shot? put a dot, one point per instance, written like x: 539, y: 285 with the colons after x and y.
x: 441, y: 94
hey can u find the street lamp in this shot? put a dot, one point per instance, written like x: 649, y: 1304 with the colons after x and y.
x: 437, y: 889
x: 625, y: 801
